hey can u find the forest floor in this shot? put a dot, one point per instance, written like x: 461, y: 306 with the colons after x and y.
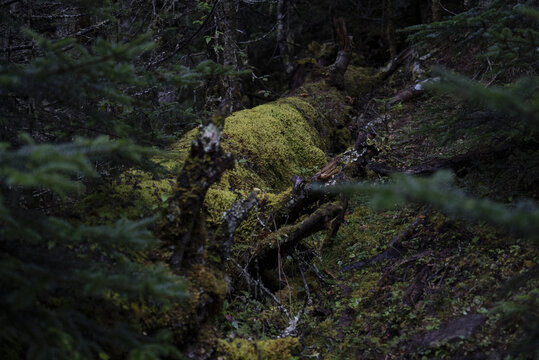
x: 410, y: 282
x: 407, y: 282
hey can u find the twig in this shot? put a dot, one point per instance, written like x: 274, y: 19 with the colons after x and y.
x: 446, y: 9
x: 90, y: 28
x: 293, y: 323
x: 259, y: 38
x: 309, y: 298
x: 258, y: 283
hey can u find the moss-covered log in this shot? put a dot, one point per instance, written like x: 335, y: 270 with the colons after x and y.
x: 247, y: 179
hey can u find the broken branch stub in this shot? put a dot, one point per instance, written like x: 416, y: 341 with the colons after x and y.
x: 204, y: 166
x: 338, y: 68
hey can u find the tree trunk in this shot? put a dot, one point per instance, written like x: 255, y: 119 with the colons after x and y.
x: 204, y: 167
x: 436, y: 10
x: 282, y: 37
x: 344, y: 54
x: 226, y: 35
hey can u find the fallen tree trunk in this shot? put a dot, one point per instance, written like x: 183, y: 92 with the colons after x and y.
x: 287, y: 237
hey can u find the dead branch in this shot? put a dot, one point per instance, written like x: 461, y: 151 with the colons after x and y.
x: 411, y: 92
x: 394, y: 64
x: 232, y: 218
x: 293, y: 322
x: 290, y: 235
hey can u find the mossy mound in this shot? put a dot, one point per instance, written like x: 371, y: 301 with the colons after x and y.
x: 242, y: 349
x: 271, y: 143
x: 276, y: 140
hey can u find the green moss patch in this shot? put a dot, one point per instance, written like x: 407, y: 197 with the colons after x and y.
x: 275, y: 140
x: 242, y: 349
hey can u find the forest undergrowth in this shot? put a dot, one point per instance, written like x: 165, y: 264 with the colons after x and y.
x: 340, y: 206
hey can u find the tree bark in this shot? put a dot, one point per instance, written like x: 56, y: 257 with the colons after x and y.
x: 204, y: 167
x: 436, y: 13
x: 282, y: 37
x: 340, y: 65
x: 226, y: 34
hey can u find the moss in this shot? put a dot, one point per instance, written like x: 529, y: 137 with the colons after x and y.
x: 247, y: 230
x: 367, y: 284
x: 277, y: 200
x: 136, y: 194
x: 271, y: 142
x: 275, y: 139
x: 177, y: 152
x: 234, y: 185
x: 343, y: 137
x: 207, y: 281
x: 358, y: 81
x: 275, y: 349
x: 333, y: 114
x: 217, y: 201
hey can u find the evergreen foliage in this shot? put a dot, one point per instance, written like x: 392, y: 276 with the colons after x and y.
x: 507, y: 30
x: 507, y: 36
x: 71, y: 290
x: 517, y: 100
x: 523, y: 218
x: 52, y: 271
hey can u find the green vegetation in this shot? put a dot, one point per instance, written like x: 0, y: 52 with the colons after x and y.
x: 168, y: 190
x: 60, y: 279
